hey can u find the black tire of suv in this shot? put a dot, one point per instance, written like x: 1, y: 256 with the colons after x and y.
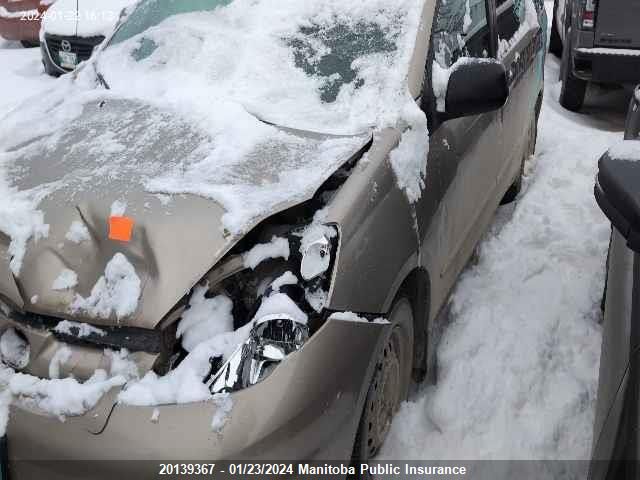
x: 555, y: 42
x: 29, y: 44
x: 400, y: 339
x: 573, y: 89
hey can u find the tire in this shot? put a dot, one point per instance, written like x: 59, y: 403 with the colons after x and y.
x: 555, y: 42
x: 389, y: 384
x: 530, y: 149
x: 29, y: 44
x: 573, y: 89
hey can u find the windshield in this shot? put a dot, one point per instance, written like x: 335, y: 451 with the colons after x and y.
x: 320, y: 66
x: 149, y: 13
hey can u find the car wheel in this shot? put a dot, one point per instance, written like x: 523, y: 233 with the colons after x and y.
x: 555, y: 42
x: 389, y: 385
x: 29, y: 44
x: 530, y: 149
x: 573, y: 89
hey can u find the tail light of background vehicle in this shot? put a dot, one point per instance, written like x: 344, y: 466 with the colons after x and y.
x: 587, y: 14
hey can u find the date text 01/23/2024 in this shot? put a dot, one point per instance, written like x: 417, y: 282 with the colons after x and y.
x: 229, y: 469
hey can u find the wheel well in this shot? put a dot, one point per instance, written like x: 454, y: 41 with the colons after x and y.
x: 416, y: 287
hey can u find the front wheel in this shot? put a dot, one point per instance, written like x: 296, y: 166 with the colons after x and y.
x: 389, y: 384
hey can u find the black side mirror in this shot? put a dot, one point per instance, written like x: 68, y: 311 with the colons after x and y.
x: 618, y: 193
x: 476, y: 86
x: 632, y: 130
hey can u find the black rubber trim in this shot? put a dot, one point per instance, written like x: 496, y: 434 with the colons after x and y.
x: 133, y: 339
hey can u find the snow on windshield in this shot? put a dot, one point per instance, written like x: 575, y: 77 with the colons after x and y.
x: 321, y: 66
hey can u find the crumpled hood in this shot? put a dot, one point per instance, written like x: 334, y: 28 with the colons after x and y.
x: 119, y: 153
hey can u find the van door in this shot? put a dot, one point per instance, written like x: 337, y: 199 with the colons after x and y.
x: 618, y: 24
x: 521, y: 50
x: 466, y: 150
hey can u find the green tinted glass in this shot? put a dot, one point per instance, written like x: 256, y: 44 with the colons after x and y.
x: 149, y: 13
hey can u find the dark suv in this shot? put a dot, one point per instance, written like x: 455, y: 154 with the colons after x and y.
x: 616, y: 443
x: 599, y: 41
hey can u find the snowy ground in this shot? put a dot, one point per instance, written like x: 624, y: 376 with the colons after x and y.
x: 519, y: 357
x: 21, y: 75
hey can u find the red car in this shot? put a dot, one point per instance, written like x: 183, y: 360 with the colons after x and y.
x: 20, y: 20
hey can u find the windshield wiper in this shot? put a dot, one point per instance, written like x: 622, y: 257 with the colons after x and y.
x: 100, y: 78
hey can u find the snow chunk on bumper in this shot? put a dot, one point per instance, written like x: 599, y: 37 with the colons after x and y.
x: 65, y: 397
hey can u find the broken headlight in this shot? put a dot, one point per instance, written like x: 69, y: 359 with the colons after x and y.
x: 289, y: 293
x: 269, y: 343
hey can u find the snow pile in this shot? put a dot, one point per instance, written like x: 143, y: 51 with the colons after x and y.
x: 224, y: 404
x: 277, y: 248
x: 205, y: 318
x: 62, y: 397
x: 62, y: 356
x: 14, y: 349
x: 626, y: 150
x: 207, y: 332
x: 116, y: 292
x: 118, y: 207
x: 279, y: 305
x: 354, y: 317
x: 518, y: 363
x: 20, y: 219
x: 409, y: 159
x: 66, y: 280
x: 67, y: 396
x: 287, y: 278
x: 184, y: 384
x: 78, y: 232
x: 79, y: 330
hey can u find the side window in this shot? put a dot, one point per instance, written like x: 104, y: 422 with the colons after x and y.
x: 460, y: 30
x: 511, y: 14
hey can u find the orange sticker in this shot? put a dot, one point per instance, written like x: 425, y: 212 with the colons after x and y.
x: 120, y: 228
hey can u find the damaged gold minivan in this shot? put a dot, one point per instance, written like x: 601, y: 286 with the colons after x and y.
x: 228, y: 235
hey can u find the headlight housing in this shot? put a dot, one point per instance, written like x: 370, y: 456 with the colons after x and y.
x: 283, y: 314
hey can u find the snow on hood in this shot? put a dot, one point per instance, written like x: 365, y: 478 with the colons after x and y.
x: 626, y: 150
x: 83, y: 18
x: 186, y: 115
x: 115, y: 151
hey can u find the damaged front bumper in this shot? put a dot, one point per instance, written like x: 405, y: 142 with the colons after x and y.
x: 307, y: 409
